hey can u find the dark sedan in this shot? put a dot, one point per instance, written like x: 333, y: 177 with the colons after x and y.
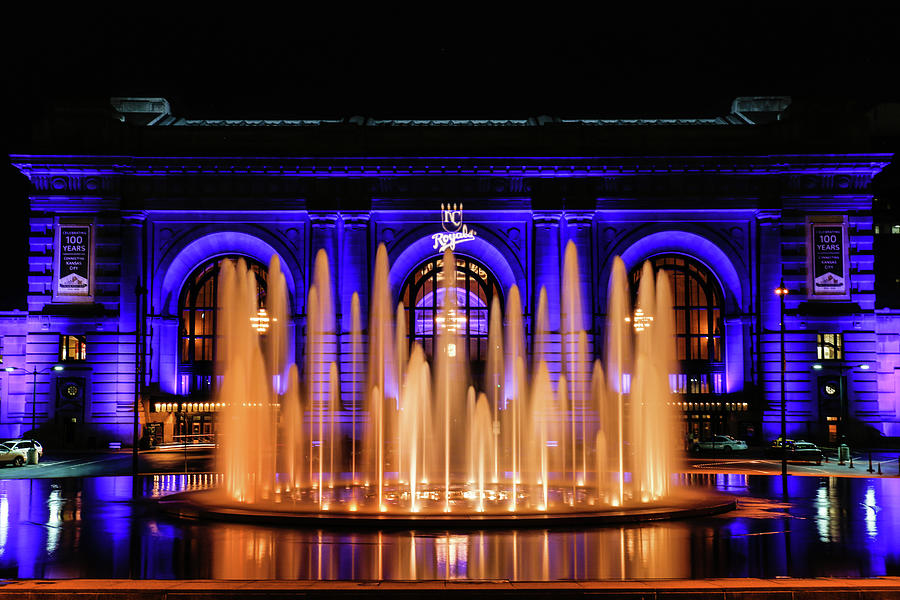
x: 797, y: 451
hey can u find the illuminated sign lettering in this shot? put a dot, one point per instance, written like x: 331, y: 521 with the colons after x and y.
x: 73, y: 277
x: 455, y: 232
x: 828, y: 258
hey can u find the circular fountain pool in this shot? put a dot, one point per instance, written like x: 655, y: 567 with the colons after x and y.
x: 215, y: 504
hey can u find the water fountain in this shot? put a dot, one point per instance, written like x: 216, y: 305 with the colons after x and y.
x: 554, y: 437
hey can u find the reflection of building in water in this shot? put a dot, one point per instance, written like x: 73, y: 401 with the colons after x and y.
x: 828, y: 508
x: 451, y: 552
x: 726, y: 206
x: 650, y: 552
x: 91, y: 523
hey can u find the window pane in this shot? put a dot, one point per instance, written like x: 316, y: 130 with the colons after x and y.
x: 679, y: 290
x: 473, y: 288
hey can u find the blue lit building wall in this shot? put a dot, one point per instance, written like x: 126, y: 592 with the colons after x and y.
x: 158, y: 219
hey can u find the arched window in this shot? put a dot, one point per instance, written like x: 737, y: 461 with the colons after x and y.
x: 423, y: 295
x: 698, y: 303
x: 197, y: 328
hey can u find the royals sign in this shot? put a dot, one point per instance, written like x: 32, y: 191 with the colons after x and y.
x: 454, y: 230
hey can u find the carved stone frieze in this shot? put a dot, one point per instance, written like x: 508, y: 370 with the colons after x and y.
x: 76, y: 184
x: 844, y: 183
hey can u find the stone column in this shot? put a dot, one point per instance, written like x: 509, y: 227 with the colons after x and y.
x: 355, y: 265
x: 578, y: 231
x: 324, y: 235
x: 768, y: 226
x: 131, y: 316
x: 354, y: 277
x: 547, y: 275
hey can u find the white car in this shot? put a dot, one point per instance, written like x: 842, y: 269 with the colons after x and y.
x: 21, y: 444
x: 721, y: 443
x: 9, y: 456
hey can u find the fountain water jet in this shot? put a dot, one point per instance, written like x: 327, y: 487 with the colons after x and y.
x: 433, y: 446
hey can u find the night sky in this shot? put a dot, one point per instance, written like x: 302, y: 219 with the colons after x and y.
x: 640, y: 61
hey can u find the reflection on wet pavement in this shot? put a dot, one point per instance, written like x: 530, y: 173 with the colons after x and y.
x: 90, y: 527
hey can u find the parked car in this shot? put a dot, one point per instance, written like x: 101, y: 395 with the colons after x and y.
x: 25, y: 445
x: 797, y: 450
x: 9, y: 456
x: 722, y: 443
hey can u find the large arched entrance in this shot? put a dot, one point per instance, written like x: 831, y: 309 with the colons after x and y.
x: 193, y: 417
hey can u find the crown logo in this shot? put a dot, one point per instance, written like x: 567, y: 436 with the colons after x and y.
x: 451, y: 217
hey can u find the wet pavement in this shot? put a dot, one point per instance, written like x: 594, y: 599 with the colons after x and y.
x: 92, y: 527
x: 74, y: 464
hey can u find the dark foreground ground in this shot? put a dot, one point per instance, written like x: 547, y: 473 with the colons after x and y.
x: 69, y: 527
x: 711, y: 589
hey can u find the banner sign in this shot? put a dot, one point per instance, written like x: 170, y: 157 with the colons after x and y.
x: 73, y: 278
x: 454, y: 230
x: 828, y: 264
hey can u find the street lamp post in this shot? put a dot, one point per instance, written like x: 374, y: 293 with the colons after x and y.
x: 782, y: 292
x: 34, y: 373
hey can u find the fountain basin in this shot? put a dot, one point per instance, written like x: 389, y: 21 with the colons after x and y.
x: 213, y: 504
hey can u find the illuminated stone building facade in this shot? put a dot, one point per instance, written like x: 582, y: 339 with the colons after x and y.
x: 132, y: 208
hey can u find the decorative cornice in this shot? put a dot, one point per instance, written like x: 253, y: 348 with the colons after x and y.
x: 533, y: 167
x: 170, y: 121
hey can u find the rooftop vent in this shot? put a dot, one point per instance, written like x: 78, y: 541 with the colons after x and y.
x: 142, y: 111
x: 757, y: 110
